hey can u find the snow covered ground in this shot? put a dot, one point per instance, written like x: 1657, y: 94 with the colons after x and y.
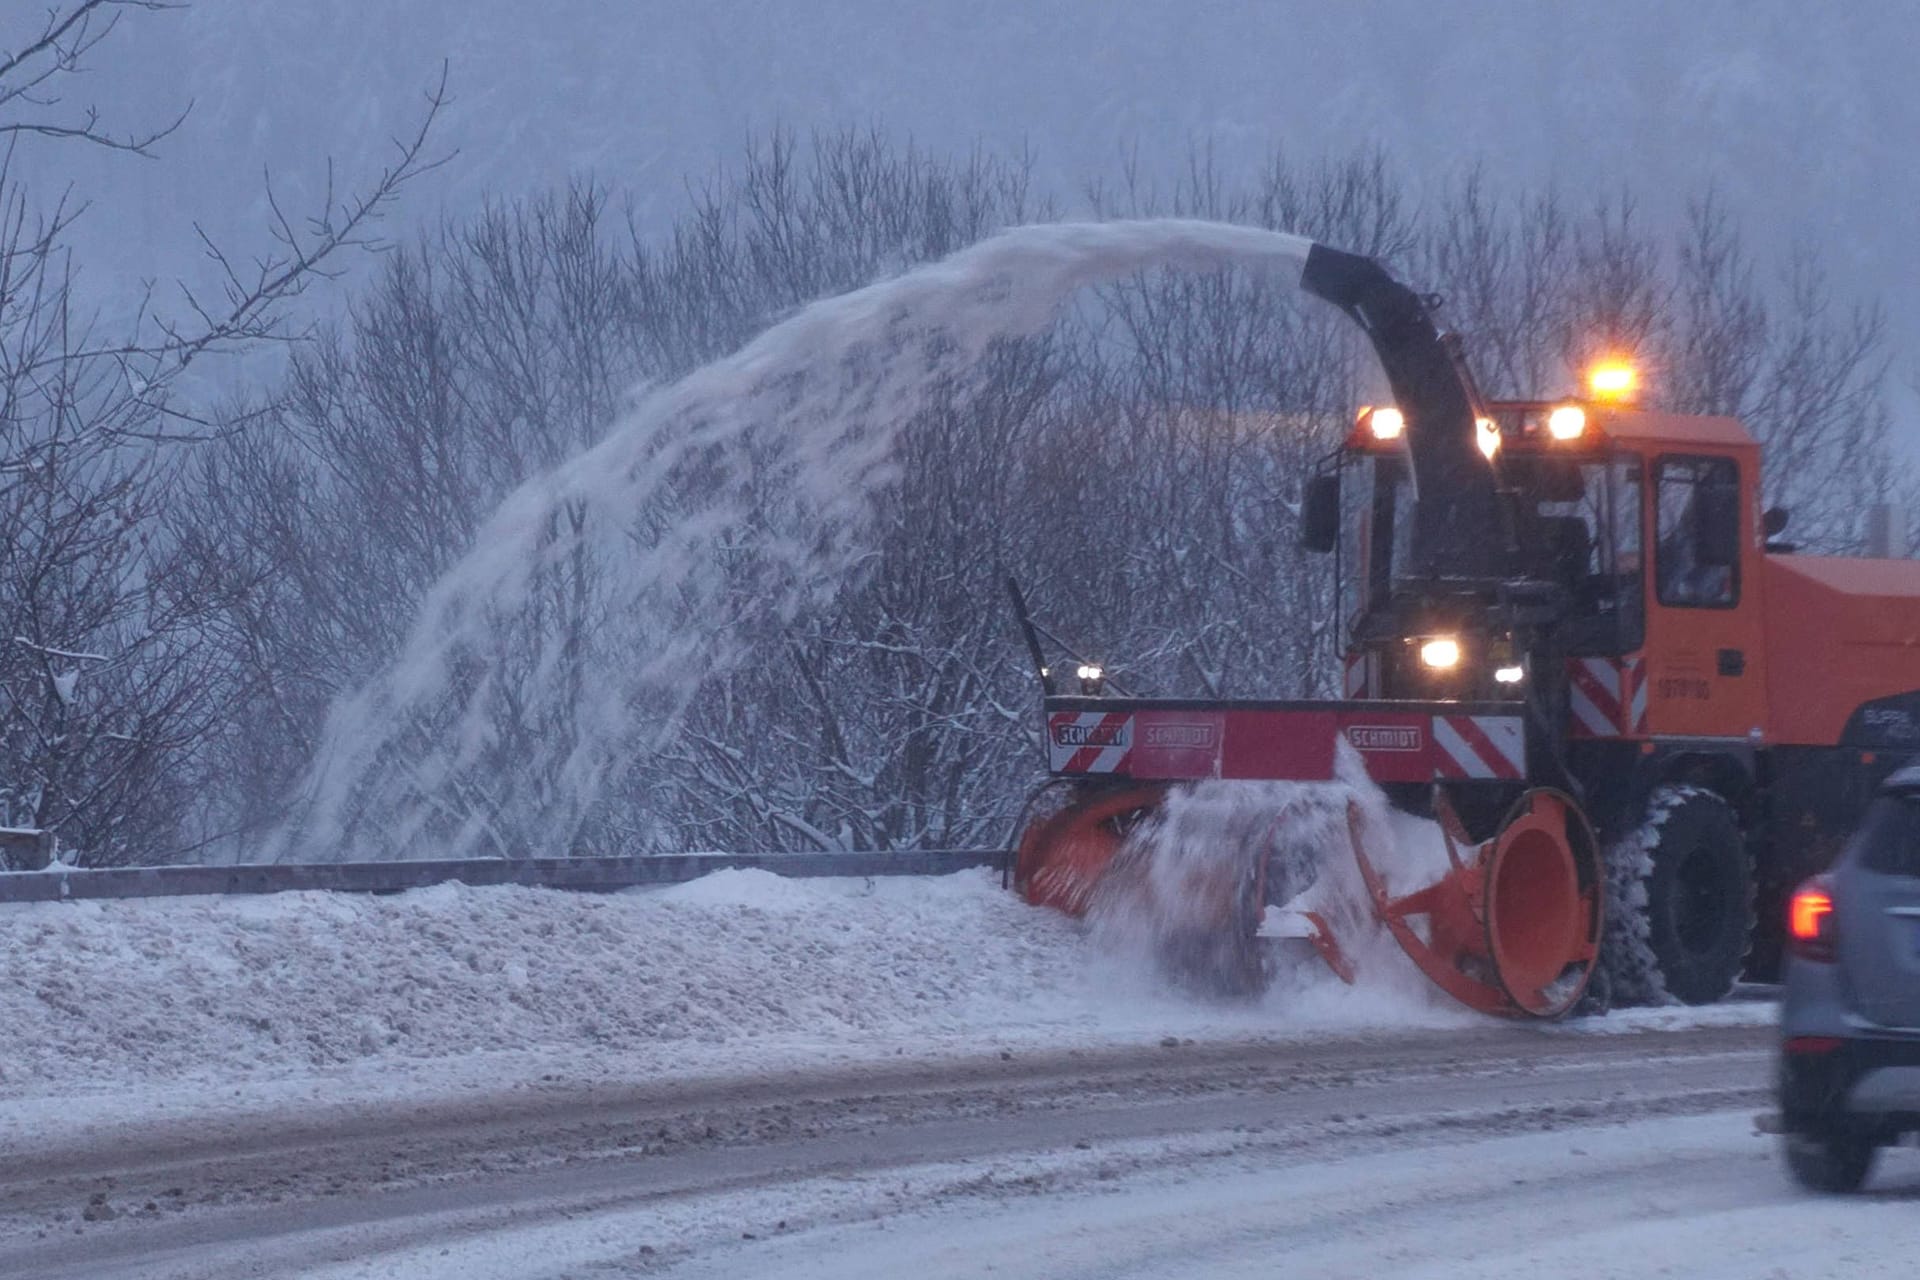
x: 1698, y: 1197
x: 1492, y: 1149
x: 513, y: 1083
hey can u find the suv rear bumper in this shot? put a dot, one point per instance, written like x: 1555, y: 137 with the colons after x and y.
x: 1866, y: 1083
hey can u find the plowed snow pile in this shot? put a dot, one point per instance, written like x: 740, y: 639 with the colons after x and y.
x: 741, y: 969
x: 295, y: 981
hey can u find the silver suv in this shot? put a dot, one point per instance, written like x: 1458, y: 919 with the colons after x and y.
x: 1850, y: 1013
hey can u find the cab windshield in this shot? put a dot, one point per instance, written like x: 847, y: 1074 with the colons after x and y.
x: 1577, y: 522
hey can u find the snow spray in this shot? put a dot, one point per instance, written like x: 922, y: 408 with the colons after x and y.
x: 1158, y: 910
x: 602, y: 595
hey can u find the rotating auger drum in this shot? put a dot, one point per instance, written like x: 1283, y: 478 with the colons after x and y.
x: 1512, y: 927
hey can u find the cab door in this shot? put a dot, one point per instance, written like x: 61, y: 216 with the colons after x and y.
x: 1705, y: 674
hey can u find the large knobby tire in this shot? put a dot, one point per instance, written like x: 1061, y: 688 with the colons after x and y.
x: 1830, y: 1160
x: 1683, y: 901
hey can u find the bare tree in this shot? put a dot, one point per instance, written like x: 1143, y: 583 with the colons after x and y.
x: 502, y: 344
x: 106, y: 675
x: 1820, y: 408
x: 1806, y: 374
x: 48, y: 56
x: 1720, y: 352
x: 479, y: 357
x: 1504, y: 269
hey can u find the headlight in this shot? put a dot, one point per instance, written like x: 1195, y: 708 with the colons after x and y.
x: 1442, y: 653
x: 1486, y: 433
x: 1386, y: 423
x: 1509, y: 675
x: 1568, y: 422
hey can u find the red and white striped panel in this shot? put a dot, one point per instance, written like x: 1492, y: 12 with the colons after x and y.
x: 1608, y: 697
x: 1481, y: 746
x: 1359, y: 675
x: 1088, y: 741
x: 1293, y: 743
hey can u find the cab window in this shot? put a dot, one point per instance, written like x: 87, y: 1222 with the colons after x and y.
x: 1581, y: 522
x: 1696, y: 498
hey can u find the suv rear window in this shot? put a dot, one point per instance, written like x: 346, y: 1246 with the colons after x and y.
x: 1890, y: 837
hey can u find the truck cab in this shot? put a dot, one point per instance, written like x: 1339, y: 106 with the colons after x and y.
x: 1633, y: 539
x: 1662, y: 639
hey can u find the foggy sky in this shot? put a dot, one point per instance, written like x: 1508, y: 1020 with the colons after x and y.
x: 1802, y: 115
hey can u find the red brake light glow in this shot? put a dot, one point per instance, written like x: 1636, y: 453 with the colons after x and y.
x: 1798, y: 1045
x: 1810, y: 921
x: 1811, y: 907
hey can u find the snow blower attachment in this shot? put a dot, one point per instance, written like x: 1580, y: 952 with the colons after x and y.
x: 1512, y: 928
x: 1516, y: 928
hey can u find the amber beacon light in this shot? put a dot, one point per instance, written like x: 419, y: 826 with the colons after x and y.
x: 1612, y: 380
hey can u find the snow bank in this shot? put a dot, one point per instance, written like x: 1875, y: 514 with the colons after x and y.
x: 741, y: 969
x: 168, y: 988
x: 457, y: 987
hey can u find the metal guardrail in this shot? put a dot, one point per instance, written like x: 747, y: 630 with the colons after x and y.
x: 600, y: 875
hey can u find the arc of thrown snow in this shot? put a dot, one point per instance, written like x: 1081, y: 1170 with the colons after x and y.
x: 1009, y: 285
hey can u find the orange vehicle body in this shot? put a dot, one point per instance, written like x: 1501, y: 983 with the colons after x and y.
x: 1840, y: 634
x: 1821, y: 637
x: 1791, y: 688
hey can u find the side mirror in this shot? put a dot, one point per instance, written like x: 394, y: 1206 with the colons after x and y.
x: 1320, y: 514
x: 1718, y: 530
x: 1775, y: 521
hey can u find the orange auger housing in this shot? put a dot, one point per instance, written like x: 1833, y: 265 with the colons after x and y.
x: 1576, y: 639
x: 1514, y: 928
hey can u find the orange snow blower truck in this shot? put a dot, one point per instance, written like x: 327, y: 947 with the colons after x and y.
x: 1575, y: 639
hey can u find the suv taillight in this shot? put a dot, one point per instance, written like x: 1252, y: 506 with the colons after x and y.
x: 1810, y: 927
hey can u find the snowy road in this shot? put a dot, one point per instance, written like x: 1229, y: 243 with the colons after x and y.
x: 1488, y: 1150
x: 1695, y: 1197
